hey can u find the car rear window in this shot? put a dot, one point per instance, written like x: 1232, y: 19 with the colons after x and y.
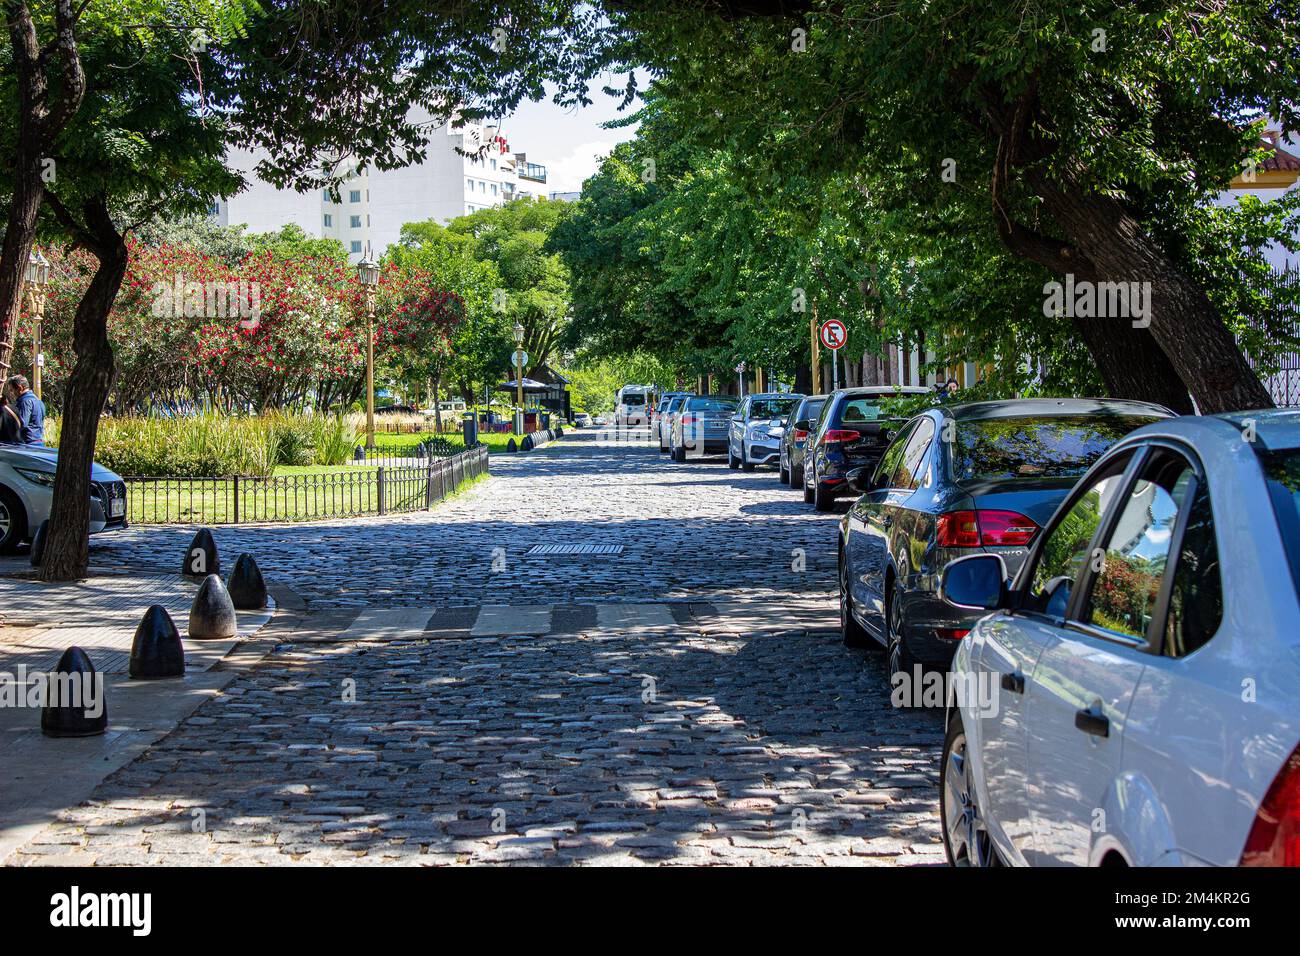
x: 712, y: 404
x: 811, y: 410
x: 874, y: 408
x: 1059, y: 446
x: 1282, y: 470
x: 634, y: 399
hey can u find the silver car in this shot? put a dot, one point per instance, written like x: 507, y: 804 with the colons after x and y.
x: 1131, y: 699
x: 27, y: 489
x: 669, y: 407
x: 755, y: 435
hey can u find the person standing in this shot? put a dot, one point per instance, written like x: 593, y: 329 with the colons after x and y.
x: 29, y: 409
x: 10, y: 426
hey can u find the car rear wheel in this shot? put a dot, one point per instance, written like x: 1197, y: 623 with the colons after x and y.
x: 679, y: 455
x: 901, y: 659
x: 852, y: 633
x: 796, y: 476
x: 808, y: 494
x: 13, y: 522
x: 784, y: 471
x: 966, y: 837
x: 823, y: 500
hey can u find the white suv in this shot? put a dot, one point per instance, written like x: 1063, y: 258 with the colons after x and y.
x: 27, y: 488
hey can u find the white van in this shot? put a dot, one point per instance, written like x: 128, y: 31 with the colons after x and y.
x: 632, y: 405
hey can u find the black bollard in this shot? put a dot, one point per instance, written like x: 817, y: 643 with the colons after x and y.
x: 156, y: 652
x: 246, y: 585
x: 511, y: 446
x: 38, y: 543
x: 212, y: 616
x: 71, y: 685
x: 201, y: 557
x: 358, y: 454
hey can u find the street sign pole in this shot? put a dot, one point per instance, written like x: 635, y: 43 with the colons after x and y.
x: 816, y: 352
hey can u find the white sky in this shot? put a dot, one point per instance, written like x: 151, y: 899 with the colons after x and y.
x: 569, y: 143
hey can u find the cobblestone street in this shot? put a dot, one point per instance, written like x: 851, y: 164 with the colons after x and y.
x: 436, y: 694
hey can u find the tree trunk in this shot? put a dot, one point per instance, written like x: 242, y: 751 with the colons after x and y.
x: 1184, y: 325
x: 39, y: 122
x: 68, y: 542
x: 803, y: 378
x: 437, y: 407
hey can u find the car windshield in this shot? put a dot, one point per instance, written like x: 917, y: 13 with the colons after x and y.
x: 713, y: 404
x: 874, y: 408
x: 1059, y: 446
x: 1282, y: 469
x: 770, y: 407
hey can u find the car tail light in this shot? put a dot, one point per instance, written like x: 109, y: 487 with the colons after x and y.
x: 835, y: 436
x: 1275, y: 836
x: 990, y: 528
x: 951, y: 633
x: 688, y: 419
x: 800, y: 435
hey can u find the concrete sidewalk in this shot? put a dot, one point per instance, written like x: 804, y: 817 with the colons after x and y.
x: 38, y: 622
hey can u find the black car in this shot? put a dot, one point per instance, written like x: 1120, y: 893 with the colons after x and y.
x: 959, y: 480
x: 853, y: 430
x: 794, y: 437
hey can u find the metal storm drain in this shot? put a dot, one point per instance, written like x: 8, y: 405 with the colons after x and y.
x: 551, y: 550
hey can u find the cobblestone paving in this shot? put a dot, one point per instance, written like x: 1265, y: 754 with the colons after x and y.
x: 679, y: 744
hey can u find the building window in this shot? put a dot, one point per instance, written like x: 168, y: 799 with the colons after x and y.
x: 356, y: 222
x: 356, y: 246
x: 494, y: 163
x: 469, y: 184
x: 494, y: 189
x: 482, y: 186
x: 354, y: 195
x: 329, y: 221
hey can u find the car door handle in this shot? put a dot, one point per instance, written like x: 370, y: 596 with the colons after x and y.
x: 1091, y: 722
x: 1014, y: 682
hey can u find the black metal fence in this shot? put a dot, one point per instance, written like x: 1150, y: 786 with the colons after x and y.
x: 346, y: 492
x: 1283, y: 327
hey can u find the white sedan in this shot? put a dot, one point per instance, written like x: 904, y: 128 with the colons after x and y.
x: 1134, y: 698
x: 27, y: 490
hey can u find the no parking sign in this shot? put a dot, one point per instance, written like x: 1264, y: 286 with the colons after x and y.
x: 833, y: 334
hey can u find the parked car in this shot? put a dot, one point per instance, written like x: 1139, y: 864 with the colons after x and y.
x: 959, y: 480
x: 582, y: 420
x: 663, y: 426
x: 27, y: 490
x: 1145, y: 658
x: 700, y: 427
x: 657, y: 413
x: 794, y: 437
x: 755, y: 435
x: 853, y: 430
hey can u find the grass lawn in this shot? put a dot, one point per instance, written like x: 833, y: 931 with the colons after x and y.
x: 495, y: 441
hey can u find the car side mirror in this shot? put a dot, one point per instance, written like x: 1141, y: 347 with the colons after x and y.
x: 976, y: 582
x: 859, y: 479
x: 803, y: 425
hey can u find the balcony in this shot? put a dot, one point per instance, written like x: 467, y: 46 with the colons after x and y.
x: 534, y: 172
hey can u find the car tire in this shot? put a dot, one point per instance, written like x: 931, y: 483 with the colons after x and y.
x: 15, y: 521
x: 808, y: 494
x: 823, y: 500
x: 796, y: 476
x: 679, y: 455
x: 732, y: 462
x: 901, y: 658
x: 784, y: 472
x: 851, y: 632
x: 745, y: 463
x: 966, y: 840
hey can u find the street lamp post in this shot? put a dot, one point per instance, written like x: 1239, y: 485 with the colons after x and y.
x: 519, y: 378
x: 368, y: 274
x: 38, y: 279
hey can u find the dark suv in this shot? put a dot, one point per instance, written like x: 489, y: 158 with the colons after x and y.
x: 855, y: 427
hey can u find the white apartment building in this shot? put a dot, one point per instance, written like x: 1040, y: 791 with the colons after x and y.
x: 373, y: 205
